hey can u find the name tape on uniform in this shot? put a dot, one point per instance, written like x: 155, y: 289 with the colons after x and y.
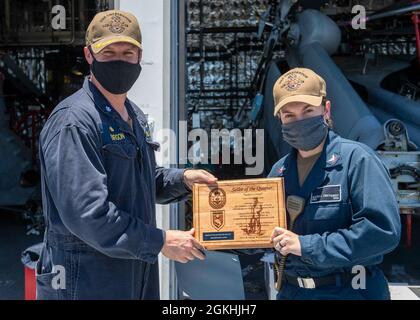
x: 326, y: 194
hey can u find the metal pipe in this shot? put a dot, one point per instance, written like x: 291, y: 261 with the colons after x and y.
x: 416, y: 22
x: 73, y: 24
x: 396, y: 12
x: 407, y: 110
x: 223, y: 30
x: 201, y: 47
x: 114, y: 4
x: 7, y: 18
x: 82, y: 18
x: 387, y: 14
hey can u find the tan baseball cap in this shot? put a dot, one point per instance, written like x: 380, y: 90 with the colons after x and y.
x: 299, y: 85
x: 113, y: 26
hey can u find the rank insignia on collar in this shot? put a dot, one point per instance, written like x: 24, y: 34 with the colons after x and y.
x: 108, y: 109
x: 147, y: 133
x: 146, y: 129
x: 281, y: 170
x: 334, y: 159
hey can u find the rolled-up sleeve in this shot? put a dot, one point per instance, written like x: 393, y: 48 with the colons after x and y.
x: 77, y: 181
x: 375, y: 227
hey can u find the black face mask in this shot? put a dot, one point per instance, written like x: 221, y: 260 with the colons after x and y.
x: 117, y: 77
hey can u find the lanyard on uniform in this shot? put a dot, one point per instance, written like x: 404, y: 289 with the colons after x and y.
x: 295, y: 206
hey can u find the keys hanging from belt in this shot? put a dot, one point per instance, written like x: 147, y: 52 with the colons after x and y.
x: 294, y: 206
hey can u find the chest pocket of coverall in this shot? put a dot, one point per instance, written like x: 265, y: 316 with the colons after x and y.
x: 120, y: 160
x: 324, y: 217
x: 117, y: 151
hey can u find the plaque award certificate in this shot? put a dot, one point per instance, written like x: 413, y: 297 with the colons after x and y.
x: 238, y: 214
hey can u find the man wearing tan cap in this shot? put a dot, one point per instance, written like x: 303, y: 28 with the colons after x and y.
x: 100, y: 181
x: 347, y: 213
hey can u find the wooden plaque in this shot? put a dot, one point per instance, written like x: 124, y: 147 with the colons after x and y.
x: 238, y: 214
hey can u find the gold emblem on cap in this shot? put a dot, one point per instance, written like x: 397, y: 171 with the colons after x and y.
x: 293, y: 82
x: 113, y: 26
x: 116, y: 25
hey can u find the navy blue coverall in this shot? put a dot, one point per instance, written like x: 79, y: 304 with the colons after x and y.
x: 100, y: 183
x: 351, y: 218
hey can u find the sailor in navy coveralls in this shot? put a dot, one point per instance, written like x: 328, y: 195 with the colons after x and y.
x: 100, y: 181
x: 350, y: 218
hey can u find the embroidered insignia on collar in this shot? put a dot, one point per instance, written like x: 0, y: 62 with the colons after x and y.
x: 108, y: 109
x: 281, y: 170
x: 334, y: 159
x: 148, y: 133
x: 146, y: 128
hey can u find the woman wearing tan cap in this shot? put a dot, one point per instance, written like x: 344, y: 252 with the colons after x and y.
x: 347, y: 215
